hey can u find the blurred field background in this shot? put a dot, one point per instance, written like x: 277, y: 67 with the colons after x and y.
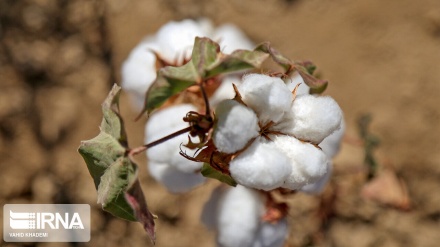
x: 58, y: 60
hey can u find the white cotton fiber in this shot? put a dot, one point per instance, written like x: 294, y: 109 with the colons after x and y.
x: 268, y: 96
x: 261, y: 166
x: 271, y: 234
x: 294, y: 80
x: 238, y: 217
x: 173, y: 179
x: 308, y: 163
x: 236, y: 125
x: 231, y: 38
x: 176, y: 39
x: 313, y: 118
x: 224, y: 91
x: 163, y: 123
x: 332, y: 143
x: 139, y: 71
x: 318, y: 186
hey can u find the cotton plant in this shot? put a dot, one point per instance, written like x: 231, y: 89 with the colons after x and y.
x: 257, y: 133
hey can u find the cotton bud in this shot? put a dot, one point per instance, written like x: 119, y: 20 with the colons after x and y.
x: 174, y: 180
x: 236, y: 126
x: 271, y: 234
x: 261, y: 166
x: 313, y: 118
x: 267, y: 96
x: 308, y: 163
x: 163, y: 123
x: 239, y: 211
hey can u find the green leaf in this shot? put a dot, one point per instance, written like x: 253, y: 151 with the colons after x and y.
x: 209, y: 172
x: 206, y: 61
x: 276, y: 56
x: 112, y: 170
x: 317, y: 86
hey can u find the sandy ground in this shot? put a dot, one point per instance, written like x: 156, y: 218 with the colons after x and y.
x: 58, y: 60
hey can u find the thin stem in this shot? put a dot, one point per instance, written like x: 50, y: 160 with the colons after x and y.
x: 140, y: 149
x: 205, y: 97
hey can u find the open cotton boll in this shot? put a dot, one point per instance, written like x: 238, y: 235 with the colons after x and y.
x: 332, y: 143
x: 318, y: 186
x: 176, y: 39
x: 313, y: 118
x: 139, y: 71
x: 239, y: 211
x: 236, y: 126
x: 224, y: 91
x: 173, y: 179
x: 294, y: 80
x: 163, y: 123
x: 183, y: 164
x: 261, y: 166
x: 308, y: 163
x: 267, y: 96
x: 271, y: 235
x: 231, y: 38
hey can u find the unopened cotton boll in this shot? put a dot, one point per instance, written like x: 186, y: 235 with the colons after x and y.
x: 231, y: 38
x: 139, y: 71
x: 318, y: 186
x: 313, y: 118
x: 236, y: 126
x: 238, y: 217
x: 176, y: 39
x: 268, y: 96
x: 261, y: 166
x: 308, y: 163
x: 271, y: 234
x: 174, y: 180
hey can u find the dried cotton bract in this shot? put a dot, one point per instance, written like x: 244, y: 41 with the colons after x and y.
x: 285, y: 154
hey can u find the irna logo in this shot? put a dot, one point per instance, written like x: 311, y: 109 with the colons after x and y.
x: 44, y: 221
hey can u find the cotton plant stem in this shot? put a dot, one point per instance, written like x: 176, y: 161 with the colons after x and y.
x: 140, y: 149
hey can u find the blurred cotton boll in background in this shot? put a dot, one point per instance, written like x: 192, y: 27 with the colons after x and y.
x: 173, y: 43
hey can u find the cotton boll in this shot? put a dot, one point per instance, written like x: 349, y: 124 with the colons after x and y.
x: 332, y: 143
x: 139, y: 71
x: 261, y: 166
x: 231, y: 38
x: 209, y: 216
x: 163, y: 123
x: 175, y: 180
x: 268, y: 96
x: 176, y: 39
x: 313, y: 118
x: 308, y: 163
x: 238, y: 217
x: 236, y: 126
x: 318, y: 186
x: 294, y: 80
x: 224, y: 91
x: 271, y: 235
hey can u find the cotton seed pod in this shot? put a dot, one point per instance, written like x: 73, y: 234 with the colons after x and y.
x: 313, y: 118
x: 268, y: 96
x: 236, y: 126
x: 271, y: 234
x: 139, y: 71
x: 163, y: 123
x: 308, y: 163
x: 176, y: 39
x: 261, y: 166
x: 238, y: 217
x: 174, y: 180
